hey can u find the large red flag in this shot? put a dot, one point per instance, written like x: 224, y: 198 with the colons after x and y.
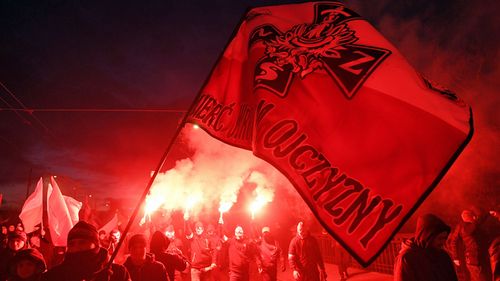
x: 316, y: 91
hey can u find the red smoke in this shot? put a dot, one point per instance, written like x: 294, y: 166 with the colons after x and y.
x: 454, y: 44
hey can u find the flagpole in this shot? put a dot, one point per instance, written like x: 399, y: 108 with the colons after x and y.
x: 29, y: 184
x: 148, y: 187
x: 171, y: 143
x: 44, y: 208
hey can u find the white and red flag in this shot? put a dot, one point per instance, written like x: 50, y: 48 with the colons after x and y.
x: 62, y: 213
x: 316, y: 91
x: 111, y: 224
x: 32, y: 211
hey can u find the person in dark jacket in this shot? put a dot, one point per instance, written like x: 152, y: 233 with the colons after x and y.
x: 203, y: 253
x: 305, y: 257
x: 173, y: 261
x: 422, y: 257
x: 475, y: 242
x: 241, y: 252
x: 215, y: 239
x: 271, y: 256
x: 15, y: 243
x: 85, y: 260
x: 177, y: 247
x: 140, y: 264
x: 175, y: 244
x: 27, y: 265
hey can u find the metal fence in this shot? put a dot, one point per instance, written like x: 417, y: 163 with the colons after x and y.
x: 383, y: 264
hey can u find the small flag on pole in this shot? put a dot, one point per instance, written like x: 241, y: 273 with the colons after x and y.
x: 62, y: 213
x: 32, y: 211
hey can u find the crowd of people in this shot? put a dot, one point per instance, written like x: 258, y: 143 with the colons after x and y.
x: 436, y: 252
x: 211, y: 254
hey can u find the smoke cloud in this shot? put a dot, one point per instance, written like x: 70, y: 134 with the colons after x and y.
x: 211, y: 179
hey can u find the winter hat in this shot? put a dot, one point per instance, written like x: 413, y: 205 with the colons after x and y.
x: 32, y: 255
x: 17, y: 234
x: 84, y: 230
x: 138, y: 239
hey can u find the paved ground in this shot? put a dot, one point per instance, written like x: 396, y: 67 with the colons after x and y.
x: 355, y: 274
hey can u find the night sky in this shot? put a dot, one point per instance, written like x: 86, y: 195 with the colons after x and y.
x: 101, y: 86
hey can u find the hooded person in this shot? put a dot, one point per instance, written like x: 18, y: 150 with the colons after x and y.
x: 141, y: 265
x: 27, y: 265
x: 304, y: 256
x: 173, y: 261
x: 16, y: 241
x: 422, y: 258
x: 271, y: 255
x: 85, y: 260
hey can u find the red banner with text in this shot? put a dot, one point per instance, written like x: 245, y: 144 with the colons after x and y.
x: 320, y: 94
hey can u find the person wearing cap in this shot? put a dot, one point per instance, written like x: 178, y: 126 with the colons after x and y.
x: 472, y: 234
x: 203, y: 253
x: 85, y: 260
x: 27, y: 265
x: 141, y: 265
x: 304, y: 256
x: 16, y: 241
x: 270, y: 255
x: 422, y: 258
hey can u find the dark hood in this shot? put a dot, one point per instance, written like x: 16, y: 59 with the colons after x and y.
x: 32, y: 255
x: 159, y: 243
x: 428, y: 227
x: 87, y: 262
